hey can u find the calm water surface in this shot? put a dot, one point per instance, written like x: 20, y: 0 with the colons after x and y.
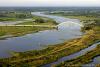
x: 77, y: 54
x: 67, y: 29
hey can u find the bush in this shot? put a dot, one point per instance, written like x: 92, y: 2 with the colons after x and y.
x: 39, y: 20
x: 2, y: 33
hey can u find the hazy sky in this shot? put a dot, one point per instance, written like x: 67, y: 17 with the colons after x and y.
x: 49, y: 2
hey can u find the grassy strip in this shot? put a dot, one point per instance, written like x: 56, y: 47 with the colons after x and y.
x: 79, y: 61
x: 48, y: 22
x: 7, y: 19
x: 48, y: 55
x: 82, y: 18
x: 18, y: 31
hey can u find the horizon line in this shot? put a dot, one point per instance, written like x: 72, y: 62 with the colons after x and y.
x: 49, y: 6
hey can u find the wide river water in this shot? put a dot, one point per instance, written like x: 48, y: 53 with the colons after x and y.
x: 67, y: 29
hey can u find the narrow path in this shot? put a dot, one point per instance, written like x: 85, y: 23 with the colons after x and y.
x: 31, y: 25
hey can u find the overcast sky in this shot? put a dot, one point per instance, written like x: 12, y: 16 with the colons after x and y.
x: 49, y: 2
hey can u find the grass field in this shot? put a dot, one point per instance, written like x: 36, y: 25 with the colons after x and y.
x: 22, y: 30
x: 52, y: 53
x: 18, y: 31
x: 7, y: 19
x: 48, y: 22
x: 37, y: 58
x: 85, y: 59
x: 82, y: 18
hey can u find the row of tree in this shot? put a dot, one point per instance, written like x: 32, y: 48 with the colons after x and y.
x: 15, y: 14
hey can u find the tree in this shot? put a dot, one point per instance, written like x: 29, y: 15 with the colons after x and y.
x: 39, y: 20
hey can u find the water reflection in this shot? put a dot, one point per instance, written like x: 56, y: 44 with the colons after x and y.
x: 42, y: 38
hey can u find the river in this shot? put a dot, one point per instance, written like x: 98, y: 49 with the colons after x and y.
x: 67, y: 29
x: 74, y: 55
x: 66, y: 24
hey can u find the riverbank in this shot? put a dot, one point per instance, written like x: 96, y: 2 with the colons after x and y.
x: 27, y: 27
x: 14, y: 15
x: 37, y: 21
x: 52, y: 53
x: 85, y: 59
x: 22, y: 30
x: 82, y: 18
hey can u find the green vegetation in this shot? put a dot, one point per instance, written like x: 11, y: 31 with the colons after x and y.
x: 2, y: 33
x: 79, y: 61
x: 91, y: 23
x: 39, y: 21
x: 22, y: 30
x: 18, y: 31
x: 52, y: 53
x: 36, y: 58
x: 83, y: 16
x: 15, y: 14
x: 7, y: 19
